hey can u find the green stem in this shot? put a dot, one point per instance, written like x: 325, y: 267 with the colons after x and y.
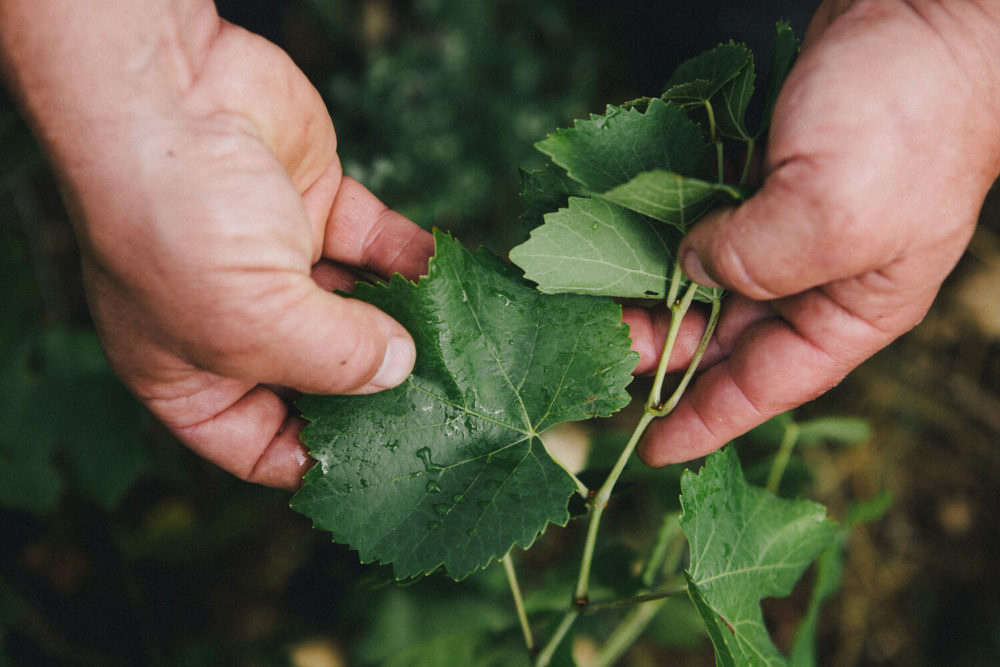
x: 662, y: 550
x: 545, y: 657
x: 678, y: 308
x: 599, y: 502
x: 666, y: 408
x: 781, y: 459
x: 644, y: 598
x: 665, y: 558
x: 751, y: 144
x: 515, y: 589
x: 714, y: 138
x: 653, y: 409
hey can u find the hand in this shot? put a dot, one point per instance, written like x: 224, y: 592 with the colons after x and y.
x: 883, y: 145
x: 214, y: 221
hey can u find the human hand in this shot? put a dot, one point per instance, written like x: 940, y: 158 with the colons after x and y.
x: 214, y: 221
x: 883, y: 145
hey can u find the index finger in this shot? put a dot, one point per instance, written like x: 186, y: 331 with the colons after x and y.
x: 362, y: 232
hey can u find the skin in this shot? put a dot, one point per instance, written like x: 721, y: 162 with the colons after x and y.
x: 884, y: 143
x: 200, y: 169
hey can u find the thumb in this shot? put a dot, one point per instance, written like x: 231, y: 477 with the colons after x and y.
x: 804, y: 228
x: 321, y: 343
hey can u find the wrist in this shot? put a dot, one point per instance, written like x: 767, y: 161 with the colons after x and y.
x: 84, y: 72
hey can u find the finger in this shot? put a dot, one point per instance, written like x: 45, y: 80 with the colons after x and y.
x: 797, y: 232
x: 359, y: 230
x: 774, y: 365
x: 295, y: 334
x: 254, y: 436
x: 334, y: 277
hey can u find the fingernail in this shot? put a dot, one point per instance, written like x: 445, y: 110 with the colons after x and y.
x: 396, y: 364
x: 695, y: 271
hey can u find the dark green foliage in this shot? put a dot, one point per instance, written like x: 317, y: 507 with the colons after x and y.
x: 448, y: 469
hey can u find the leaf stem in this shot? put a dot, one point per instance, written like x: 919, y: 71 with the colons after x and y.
x: 652, y: 596
x: 784, y: 455
x: 627, y: 632
x: 661, y: 410
x: 714, y: 138
x: 748, y: 160
x: 663, y: 551
x: 664, y: 558
x: 515, y: 589
x: 599, y: 502
x: 678, y: 308
x: 545, y: 657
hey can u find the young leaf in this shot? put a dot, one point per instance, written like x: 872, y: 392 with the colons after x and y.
x: 597, y: 247
x: 607, y: 151
x: 746, y: 544
x: 448, y: 469
x: 730, y: 104
x: 698, y: 79
x: 544, y: 191
x: 783, y: 55
x: 671, y: 198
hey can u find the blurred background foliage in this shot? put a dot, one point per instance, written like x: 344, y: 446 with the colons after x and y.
x: 119, y: 547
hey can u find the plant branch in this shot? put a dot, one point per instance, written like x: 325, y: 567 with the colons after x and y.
x: 714, y: 137
x: 748, y: 160
x: 678, y: 308
x: 661, y: 410
x: 652, y: 596
x: 545, y: 657
x: 515, y: 589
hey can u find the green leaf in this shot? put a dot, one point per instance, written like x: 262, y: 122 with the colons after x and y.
x: 783, y: 55
x: 448, y: 469
x: 544, y: 191
x: 746, y: 544
x: 607, y: 151
x: 730, y: 104
x: 597, y: 247
x: 698, y: 79
x: 669, y: 197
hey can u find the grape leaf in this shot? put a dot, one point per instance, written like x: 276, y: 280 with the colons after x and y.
x: 783, y: 55
x: 746, y: 544
x: 698, y: 79
x: 669, y: 197
x: 597, y: 247
x: 448, y: 468
x: 730, y: 104
x: 607, y: 151
x: 546, y: 190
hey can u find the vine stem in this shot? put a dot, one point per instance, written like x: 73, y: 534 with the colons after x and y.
x: 545, y: 657
x: 713, y: 319
x: 515, y: 589
x: 751, y: 144
x: 653, y: 409
x: 714, y: 137
x: 788, y: 440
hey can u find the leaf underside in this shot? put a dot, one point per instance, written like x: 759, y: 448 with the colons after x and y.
x: 746, y: 544
x: 448, y: 470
